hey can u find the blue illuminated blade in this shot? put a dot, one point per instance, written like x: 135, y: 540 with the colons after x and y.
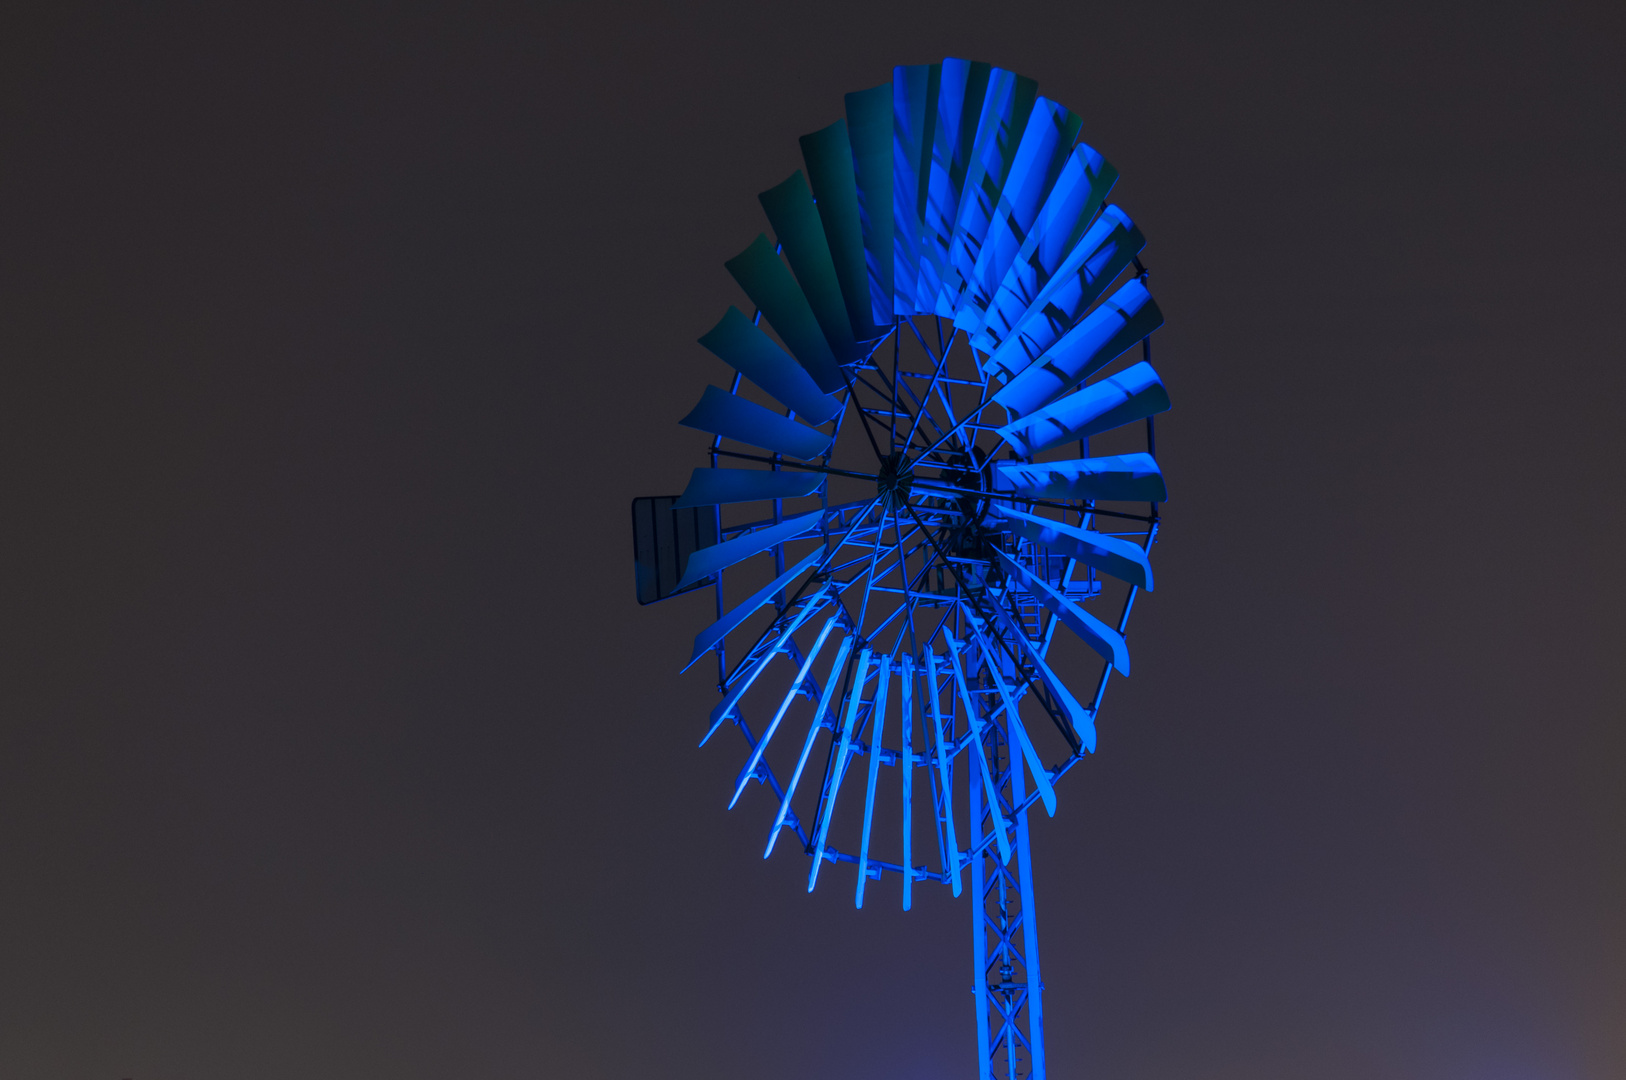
x: 748, y: 673
x: 1068, y: 210
x: 951, y: 853
x: 768, y: 282
x: 818, y: 721
x: 1107, y: 642
x: 743, y: 346
x: 974, y: 718
x: 1122, y: 559
x: 707, y: 561
x: 829, y: 158
x: 1126, y: 317
x: 1133, y: 394
x: 827, y: 804
x: 1122, y: 478
x: 1095, y: 261
x: 869, y: 127
x: 912, y: 114
x: 708, y: 638
x: 761, y: 747
x: 1006, y: 105
x: 732, y: 417
x: 708, y: 487
x: 1082, y: 720
x: 877, y: 727
x: 962, y: 86
x: 795, y: 220
x: 1044, y: 149
x: 1013, y: 719
x: 906, y: 761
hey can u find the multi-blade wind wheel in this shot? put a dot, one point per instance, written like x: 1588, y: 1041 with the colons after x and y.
x: 902, y: 506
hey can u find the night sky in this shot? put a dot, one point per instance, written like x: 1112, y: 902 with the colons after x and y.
x: 333, y: 743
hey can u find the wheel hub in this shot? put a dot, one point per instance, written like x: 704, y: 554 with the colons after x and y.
x: 893, y: 484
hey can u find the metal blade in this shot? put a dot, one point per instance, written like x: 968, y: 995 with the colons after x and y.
x: 1044, y: 148
x: 877, y: 727
x: 708, y: 638
x: 708, y: 560
x: 709, y: 487
x: 869, y: 127
x: 807, y: 744
x: 827, y: 805
x: 732, y: 417
x: 913, y: 113
x: 962, y: 86
x: 1133, y: 394
x: 975, y: 721
x: 1123, y: 477
x: 790, y: 695
x: 951, y: 856
x: 768, y: 282
x: 744, y: 346
x: 1096, y: 634
x: 1125, y: 317
x: 1122, y: 559
x: 1005, y: 109
x: 743, y: 683
x: 1013, y: 724
x: 1081, y: 719
x: 829, y: 157
x: 1068, y: 210
x: 795, y: 219
x: 1094, y: 263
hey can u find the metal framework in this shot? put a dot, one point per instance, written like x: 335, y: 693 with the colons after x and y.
x: 907, y: 509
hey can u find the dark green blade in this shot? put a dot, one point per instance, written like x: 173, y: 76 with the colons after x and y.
x: 795, y: 220
x: 722, y: 413
x: 768, y: 282
x: 743, y: 346
x: 911, y: 90
x: 869, y: 127
x: 829, y: 158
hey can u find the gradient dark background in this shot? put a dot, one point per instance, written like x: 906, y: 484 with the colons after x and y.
x: 333, y: 744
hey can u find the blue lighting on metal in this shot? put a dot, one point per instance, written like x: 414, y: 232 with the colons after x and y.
x: 901, y: 498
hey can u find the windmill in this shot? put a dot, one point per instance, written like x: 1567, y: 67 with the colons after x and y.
x: 901, y: 508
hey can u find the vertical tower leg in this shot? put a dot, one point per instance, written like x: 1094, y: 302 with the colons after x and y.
x: 1004, y: 934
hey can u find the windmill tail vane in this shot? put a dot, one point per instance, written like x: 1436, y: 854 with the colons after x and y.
x: 901, y: 494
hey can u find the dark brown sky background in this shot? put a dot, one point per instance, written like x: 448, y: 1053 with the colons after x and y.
x: 333, y: 745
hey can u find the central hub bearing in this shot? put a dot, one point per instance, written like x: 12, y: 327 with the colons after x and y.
x: 893, y: 483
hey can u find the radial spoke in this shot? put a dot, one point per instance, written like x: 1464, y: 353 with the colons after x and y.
x: 940, y: 362
x: 921, y: 411
x: 1011, y: 496
x: 852, y: 402
x: 797, y: 465
x: 892, y: 433
x: 869, y: 579
x: 903, y: 578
